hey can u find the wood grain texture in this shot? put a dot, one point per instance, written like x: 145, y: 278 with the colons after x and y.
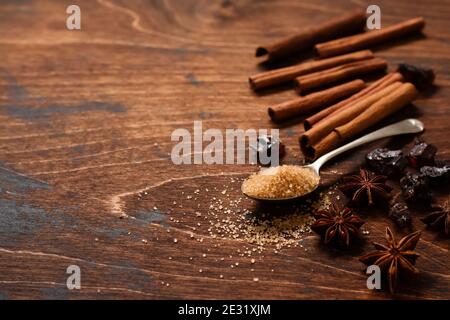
x: 86, y: 118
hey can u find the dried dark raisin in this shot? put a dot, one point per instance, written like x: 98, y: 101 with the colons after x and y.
x: 400, y: 214
x: 421, y: 154
x: 415, y: 188
x: 386, y: 162
x: 420, y: 77
x: 264, y: 147
x: 436, y: 175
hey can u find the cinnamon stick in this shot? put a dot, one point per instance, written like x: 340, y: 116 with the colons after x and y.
x: 373, y: 87
x: 370, y: 38
x: 379, y: 110
x: 350, y: 23
x: 321, y: 130
x: 282, y: 75
x: 339, y: 73
x: 393, y: 102
x: 314, y: 101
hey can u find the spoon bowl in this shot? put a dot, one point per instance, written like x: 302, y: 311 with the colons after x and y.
x: 309, y: 166
x: 402, y: 127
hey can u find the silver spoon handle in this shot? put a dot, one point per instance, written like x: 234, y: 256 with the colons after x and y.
x: 402, y: 127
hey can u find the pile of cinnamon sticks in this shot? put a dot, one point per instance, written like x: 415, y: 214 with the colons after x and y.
x: 337, y: 110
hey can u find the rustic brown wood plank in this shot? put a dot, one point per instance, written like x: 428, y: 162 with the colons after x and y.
x: 86, y: 122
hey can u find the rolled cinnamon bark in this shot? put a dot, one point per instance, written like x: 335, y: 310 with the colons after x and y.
x: 314, y: 101
x: 379, y: 110
x: 321, y: 130
x: 369, y: 39
x: 330, y: 142
x: 350, y: 23
x: 339, y: 73
x: 373, y: 87
x: 391, y: 103
x: 282, y: 75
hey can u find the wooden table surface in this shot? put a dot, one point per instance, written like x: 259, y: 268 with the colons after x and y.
x: 86, y: 118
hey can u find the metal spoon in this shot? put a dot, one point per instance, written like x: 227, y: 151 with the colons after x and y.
x: 402, y: 127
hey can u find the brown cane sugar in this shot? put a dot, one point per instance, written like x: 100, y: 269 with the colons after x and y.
x: 281, y: 182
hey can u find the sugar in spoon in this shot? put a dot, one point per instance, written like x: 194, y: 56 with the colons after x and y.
x: 401, y: 127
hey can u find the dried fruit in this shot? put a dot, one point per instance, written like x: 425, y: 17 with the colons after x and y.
x: 337, y: 225
x: 400, y: 214
x: 386, y: 162
x: 420, y: 77
x: 415, y: 188
x: 421, y: 154
x: 436, y: 175
x: 265, y: 145
x: 365, y: 187
x: 439, y: 218
x: 395, y: 258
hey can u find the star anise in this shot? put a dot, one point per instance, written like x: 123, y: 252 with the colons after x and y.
x: 365, y: 187
x: 439, y: 218
x: 337, y: 224
x: 395, y: 257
